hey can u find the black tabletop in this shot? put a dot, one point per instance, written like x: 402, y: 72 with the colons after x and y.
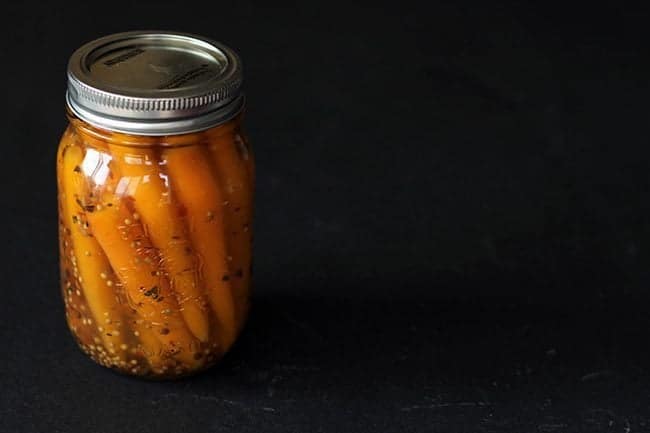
x: 451, y: 228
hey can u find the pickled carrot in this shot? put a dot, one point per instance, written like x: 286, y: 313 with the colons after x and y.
x: 148, y: 292
x: 149, y: 345
x: 198, y: 191
x: 88, y: 256
x: 146, y: 185
x: 150, y: 348
x: 246, y: 155
x: 237, y: 193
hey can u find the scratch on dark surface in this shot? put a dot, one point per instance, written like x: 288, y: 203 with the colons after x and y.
x: 600, y: 417
x: 290, y: 367
x: 596, y: 375
x: 444, y: 405
x: 484, y: 396
x: 551, y: 427
x: 174, y: 395
x: 215, y: 399
x: 455, y: 76
x: 270, y: 391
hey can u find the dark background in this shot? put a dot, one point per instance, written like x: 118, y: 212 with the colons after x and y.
x: 452, y: 226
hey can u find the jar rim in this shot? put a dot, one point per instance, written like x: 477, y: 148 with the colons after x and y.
x: 120, y: 138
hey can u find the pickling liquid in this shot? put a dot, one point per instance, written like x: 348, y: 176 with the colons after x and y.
x: 155, y: 239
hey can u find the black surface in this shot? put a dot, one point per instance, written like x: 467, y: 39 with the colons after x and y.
x: 452, y: 225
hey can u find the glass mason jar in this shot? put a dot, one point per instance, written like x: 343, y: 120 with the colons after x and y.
x: 155, y: 180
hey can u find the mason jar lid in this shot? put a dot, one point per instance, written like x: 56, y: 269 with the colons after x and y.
x: 154, y: 83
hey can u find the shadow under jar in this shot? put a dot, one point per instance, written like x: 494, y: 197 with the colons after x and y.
x: 155, y: 181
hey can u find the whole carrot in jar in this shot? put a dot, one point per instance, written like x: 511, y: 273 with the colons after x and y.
x: 155, y: 179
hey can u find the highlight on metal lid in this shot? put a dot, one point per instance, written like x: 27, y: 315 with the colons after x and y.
x: 154, y: 83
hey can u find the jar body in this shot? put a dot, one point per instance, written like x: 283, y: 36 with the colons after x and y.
x: 155, y: 245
